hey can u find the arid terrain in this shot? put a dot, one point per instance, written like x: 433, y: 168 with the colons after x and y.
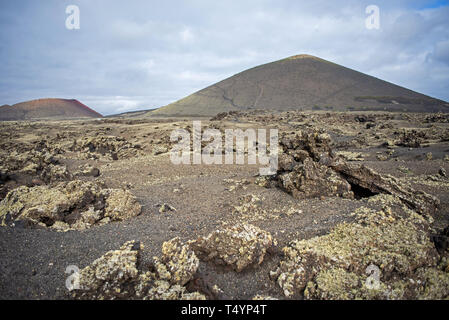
x: 359, y: 208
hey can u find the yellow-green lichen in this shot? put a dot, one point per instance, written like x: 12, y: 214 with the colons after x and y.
x: 395, y: 242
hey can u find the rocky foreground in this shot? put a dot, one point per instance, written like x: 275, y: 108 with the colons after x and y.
x: 358, y: 209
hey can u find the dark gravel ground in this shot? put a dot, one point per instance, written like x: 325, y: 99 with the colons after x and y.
x: 33, y: 261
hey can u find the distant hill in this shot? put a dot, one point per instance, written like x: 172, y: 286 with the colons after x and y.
x: 301, y: 82
x: 129, y: 114
x: 47, y: 109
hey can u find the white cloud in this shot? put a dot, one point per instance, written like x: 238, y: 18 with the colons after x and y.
x: 441, y: 51
x: 130, y: 29
x: 150, y: 55
x: 187, y: 35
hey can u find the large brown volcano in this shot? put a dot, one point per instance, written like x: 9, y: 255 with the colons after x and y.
x: 302, y: 82
x: 47, y: 109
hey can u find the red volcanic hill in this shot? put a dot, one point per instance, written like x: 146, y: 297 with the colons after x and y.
x: 47, y: 109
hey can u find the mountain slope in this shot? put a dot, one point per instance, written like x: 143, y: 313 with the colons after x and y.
x: 47, y: 109
x: 301, y: 82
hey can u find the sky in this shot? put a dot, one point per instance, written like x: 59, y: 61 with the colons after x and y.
x: 142, y: 54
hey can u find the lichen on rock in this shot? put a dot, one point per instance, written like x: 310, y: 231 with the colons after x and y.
x: 87, y: 170
x: 33, y: 164
x: 312, y: 179
x: 250, y: 209
x: 334, y: 266
x: 106, y: 277
x: 171, y: 272
x: 304, y: 168
x: 239, y: 246
x: 69, y: 205
x: 121, y: 205
x: 178, y: 263
x: 109, y: 147
x: 411, y: 138
x: 368, y: 179
x: 119, y: 274
x: 308, y: 168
